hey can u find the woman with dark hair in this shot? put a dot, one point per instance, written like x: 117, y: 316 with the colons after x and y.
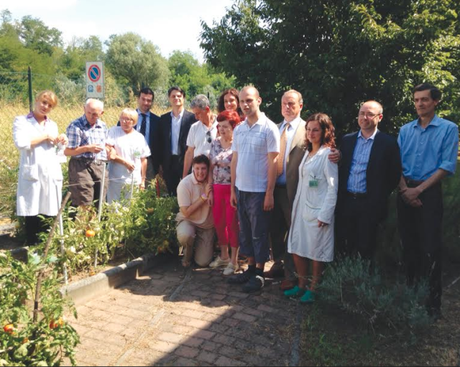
x: 225, y: 216
x: 229, y: 101
x: 312, y: 230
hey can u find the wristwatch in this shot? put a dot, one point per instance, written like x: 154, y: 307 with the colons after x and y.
x: 203, y: 197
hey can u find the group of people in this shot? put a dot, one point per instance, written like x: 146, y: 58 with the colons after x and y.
x: 258, y: 187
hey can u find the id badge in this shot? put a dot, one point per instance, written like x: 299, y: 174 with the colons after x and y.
x: 313, y: 183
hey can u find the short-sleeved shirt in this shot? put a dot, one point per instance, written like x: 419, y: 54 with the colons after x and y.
x: 424, y: 151
x: 253, y: 145
x: 221, y: 159
x: 198, y: 137
x: 81, y: 133
x: 131, y: 147
x: 188, y: 191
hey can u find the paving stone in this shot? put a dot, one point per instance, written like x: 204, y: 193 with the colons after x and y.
x: 187, y: 352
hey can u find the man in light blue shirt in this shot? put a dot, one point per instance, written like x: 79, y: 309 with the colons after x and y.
x: 429, y: 148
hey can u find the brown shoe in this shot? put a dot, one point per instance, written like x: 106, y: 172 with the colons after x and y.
x: 287, y: 284
x: 276, y: 271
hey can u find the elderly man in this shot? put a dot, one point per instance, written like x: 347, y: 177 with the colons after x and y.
x: 170, y: 140
x: 256, y: 145
x: 429, y: 147
x: 369, y: 171
x: 292, y: 150
x: 87, y: 149
x: 202, y: 132
x: 195, y: 227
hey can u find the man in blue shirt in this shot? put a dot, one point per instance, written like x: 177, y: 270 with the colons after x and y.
x: 429, y: 147
x: 369, y: 171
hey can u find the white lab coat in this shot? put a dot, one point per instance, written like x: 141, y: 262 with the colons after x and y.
x: 315, y: 200
x: 40, y: 175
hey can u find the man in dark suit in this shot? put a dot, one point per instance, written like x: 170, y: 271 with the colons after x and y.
x: 292, y: 132
x: 147, y: 125
x: 369, y: 171
x: 171, y: 139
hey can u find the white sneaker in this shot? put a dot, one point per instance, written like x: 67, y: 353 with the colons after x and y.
x: 230, y: 269
x: 218, y: 262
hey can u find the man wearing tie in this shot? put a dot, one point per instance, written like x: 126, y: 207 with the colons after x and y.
x: 147, y: 125
x: 292, y: 150
x: 171, y: 139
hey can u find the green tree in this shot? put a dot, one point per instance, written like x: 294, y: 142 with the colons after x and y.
x: 37, y: 36
x: 194, y: 78
x: 338, y: 53
x: 136, y: 62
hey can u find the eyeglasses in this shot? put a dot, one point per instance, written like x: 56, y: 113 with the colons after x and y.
x: 126, y: 121
x: 369, y: 115
x: 208, y: 136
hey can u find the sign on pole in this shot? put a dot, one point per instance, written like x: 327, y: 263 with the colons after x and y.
x: 94, y: 79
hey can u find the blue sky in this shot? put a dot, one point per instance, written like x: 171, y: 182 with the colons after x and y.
x: 170, y: 25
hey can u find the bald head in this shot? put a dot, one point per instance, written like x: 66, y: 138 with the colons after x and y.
x: 250, y: 103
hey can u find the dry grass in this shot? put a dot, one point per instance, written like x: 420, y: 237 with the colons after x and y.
x: 61, y: 115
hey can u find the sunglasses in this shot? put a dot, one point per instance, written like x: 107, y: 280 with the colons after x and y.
x: 208, y: 136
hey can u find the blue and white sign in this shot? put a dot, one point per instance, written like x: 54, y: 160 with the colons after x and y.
x: 94, y: 79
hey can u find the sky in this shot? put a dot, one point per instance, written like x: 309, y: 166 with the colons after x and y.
x: 170, y: 25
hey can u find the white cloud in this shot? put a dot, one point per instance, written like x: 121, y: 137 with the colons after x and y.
x: 30, y: 5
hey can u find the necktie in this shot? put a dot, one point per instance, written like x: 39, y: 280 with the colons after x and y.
x: 143, y: 123
x: 283, y: 143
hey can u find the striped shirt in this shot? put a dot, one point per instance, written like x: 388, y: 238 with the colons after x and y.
x: 81, y: 133
x: 357, y: 179
x: 253, y: 145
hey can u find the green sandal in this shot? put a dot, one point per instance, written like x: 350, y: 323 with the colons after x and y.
x: 308, y: 297
x: 295, y: 292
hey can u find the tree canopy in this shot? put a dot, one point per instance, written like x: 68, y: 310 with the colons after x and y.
x: 339, y: 53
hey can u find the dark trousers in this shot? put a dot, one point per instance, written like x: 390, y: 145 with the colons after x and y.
x: 356, y: 227
x: 421, y: 238
x: 34, y: 225
x: 254, y: 223
x: 172, y: 175
x: 280, y: 222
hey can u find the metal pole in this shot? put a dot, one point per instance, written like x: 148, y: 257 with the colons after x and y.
x: 61, y: 232
x: 101, y: 197
x: 29, y: 77
x: 132, y: 188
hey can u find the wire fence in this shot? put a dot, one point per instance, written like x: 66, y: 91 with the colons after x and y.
x: 17, y: 93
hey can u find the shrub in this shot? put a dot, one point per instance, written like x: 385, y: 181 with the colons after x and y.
x: 350, y: 284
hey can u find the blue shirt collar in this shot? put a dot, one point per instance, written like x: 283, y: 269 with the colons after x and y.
x: 436, y: 121
x: 372, y: 137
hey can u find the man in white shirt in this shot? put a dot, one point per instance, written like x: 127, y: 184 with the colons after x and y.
x: 202, y: 132
x: 170, y: 140
x: 256, y: 145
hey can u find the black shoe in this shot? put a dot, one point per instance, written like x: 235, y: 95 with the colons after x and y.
x: 255, y: 283
x: 240, y: 278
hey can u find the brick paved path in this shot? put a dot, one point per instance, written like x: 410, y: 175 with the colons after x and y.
x: 175, y: 317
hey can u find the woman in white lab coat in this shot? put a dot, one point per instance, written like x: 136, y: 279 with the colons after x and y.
x: 40, y: 176
x: 311, y: 236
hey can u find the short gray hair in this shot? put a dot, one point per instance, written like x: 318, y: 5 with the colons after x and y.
x: 97, y: 103
x: 200, y: 101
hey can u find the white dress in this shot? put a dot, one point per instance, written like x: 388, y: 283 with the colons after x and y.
x: 131, y: 147
x: 40, y: 175
x: 315, y: 200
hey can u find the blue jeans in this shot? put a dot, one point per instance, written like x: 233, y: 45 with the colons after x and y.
x: 254, y: 224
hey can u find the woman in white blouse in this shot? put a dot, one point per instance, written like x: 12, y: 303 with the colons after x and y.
x: 129, y: 166
x: 40, y: 175
x: 311, y: 236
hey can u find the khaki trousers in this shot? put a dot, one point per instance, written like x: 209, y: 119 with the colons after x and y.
x: 189, y: 236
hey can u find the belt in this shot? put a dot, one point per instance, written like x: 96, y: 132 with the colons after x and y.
x: 88, y: 160
x: 357, y: 195
x: 413, y: 183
